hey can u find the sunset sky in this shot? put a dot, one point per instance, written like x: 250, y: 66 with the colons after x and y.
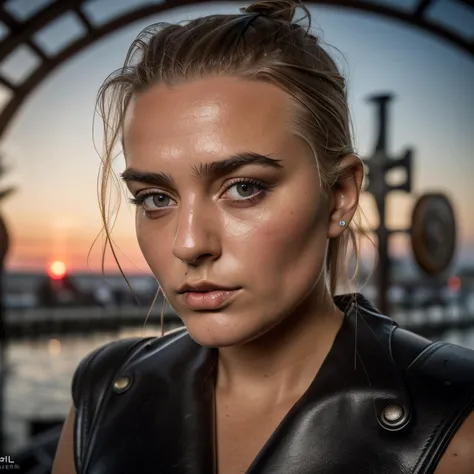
x: 54, y: 213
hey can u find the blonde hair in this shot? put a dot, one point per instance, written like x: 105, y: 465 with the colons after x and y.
x: 262, y: 43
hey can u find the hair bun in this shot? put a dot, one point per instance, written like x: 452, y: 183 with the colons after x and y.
x: 283, y: 10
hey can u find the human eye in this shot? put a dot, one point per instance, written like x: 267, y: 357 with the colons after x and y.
x: 152, y: 201
x: 245, y: 190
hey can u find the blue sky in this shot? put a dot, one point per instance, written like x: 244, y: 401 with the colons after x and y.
x: 54, y: 214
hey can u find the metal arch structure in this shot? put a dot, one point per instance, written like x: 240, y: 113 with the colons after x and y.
x: 22, y: 33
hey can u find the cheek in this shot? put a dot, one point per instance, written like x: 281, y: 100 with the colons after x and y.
x: 291, y: 256
x: 284, y: 237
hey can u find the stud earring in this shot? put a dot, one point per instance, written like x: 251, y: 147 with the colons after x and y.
x: 342, y: 223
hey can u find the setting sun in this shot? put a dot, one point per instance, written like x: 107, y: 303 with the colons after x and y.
x: 57, y: 270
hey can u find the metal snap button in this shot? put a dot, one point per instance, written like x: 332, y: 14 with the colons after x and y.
x: 393, y: 415
x: 122, y: 384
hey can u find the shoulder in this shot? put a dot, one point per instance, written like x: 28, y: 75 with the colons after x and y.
x: 441, y: 375
x: 96, y: 374
x: 98, y: 368
x: 416, y: 358
x: 443, y: 362
x: 415, y: 355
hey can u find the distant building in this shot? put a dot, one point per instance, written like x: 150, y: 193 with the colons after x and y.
x: 26, y: 290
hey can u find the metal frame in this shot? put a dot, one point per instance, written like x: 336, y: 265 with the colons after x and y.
x: 22, y: 33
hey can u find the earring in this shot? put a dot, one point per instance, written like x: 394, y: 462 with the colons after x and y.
x: 342, y: 223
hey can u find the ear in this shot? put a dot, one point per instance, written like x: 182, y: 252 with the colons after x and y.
x: 345, y: 194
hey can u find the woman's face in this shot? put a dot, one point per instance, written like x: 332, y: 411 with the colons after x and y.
x: 232, y: 201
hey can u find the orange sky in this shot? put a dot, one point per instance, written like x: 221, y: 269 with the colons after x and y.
x: 54, y: 214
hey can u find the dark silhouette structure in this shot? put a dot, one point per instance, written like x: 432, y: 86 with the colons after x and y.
x: 4, y: 245
x: 22, y: 33
x: 379, y: 164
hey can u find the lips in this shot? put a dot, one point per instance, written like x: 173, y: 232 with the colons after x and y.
x: 203, y: 287
x: 207, y: 300
x: 206, y: 295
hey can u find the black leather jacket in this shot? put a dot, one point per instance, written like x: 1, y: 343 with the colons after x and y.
x: 385, y: 401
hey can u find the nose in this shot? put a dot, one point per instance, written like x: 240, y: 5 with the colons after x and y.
x: 197, y: 235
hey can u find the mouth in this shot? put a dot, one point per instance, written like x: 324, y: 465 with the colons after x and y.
x: 203, y: 287
x: 206, y: 296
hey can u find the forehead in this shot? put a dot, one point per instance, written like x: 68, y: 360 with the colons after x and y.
x: 211, y: 117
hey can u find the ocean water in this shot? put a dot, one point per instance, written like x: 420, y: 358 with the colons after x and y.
x: 39, y: 375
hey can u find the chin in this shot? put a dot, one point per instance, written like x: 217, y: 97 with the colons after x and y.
x: 214, y: 330
x: 216, y: 342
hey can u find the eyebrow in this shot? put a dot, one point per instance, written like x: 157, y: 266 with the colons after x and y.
x: 214, y: 170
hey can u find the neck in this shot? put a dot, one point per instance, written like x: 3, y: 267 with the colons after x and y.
x: 281, y: 364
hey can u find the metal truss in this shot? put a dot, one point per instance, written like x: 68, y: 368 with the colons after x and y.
x: 22, y: 33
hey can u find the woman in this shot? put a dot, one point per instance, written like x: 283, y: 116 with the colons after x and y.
x: 236, y: 137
